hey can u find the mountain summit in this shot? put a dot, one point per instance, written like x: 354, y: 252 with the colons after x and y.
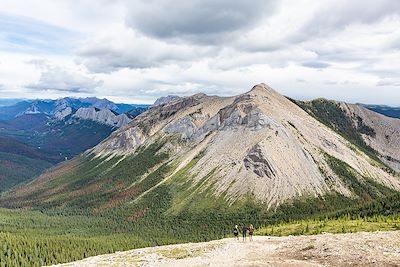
x: 202, y: 150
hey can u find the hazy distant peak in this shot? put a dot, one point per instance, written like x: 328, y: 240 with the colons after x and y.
x: 165, y: 99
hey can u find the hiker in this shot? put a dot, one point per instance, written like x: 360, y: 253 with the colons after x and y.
x: 244, y: 232
x: 251, y: 232
x: 236, y: 232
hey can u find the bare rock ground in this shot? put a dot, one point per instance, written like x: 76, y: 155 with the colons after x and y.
x: 354, y: 249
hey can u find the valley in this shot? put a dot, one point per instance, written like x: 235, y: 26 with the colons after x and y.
x: 37, y: 134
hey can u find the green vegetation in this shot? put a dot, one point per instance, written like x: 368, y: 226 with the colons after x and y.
x: 33, y: 238
x: 344, y: 224
x: 363, y: 187
x: 15, y: 169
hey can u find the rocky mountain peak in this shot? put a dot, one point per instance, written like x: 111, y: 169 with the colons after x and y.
x: 261, y: 89
x: 104, y: 116
x: 260, y: 138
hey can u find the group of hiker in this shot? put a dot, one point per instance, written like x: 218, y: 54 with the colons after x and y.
x: 245, y: 229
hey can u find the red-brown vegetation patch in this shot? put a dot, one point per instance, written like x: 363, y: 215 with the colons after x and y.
x: 120, y: 198
x: 118, y: 187
x: 139, y: 214
x: 53, y: 173
x: 88, y: 190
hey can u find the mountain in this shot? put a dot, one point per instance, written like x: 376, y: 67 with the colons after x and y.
x: 202, y: 155
x: 393, y: 112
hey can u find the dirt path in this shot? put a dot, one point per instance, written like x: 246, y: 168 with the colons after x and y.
x: 356, y: 249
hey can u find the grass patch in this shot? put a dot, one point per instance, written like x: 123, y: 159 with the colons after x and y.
x: 345, y: 224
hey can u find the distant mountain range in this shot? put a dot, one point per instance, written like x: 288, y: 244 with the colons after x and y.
x: 393, y: 112
x: 62, y: 107
x: 9, y: 101
x: 56, y: 130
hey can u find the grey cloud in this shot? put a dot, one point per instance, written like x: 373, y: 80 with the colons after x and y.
x: 136, y: 51
x: 200, y: 20
x: 58, y: 79
x: 336, y: 15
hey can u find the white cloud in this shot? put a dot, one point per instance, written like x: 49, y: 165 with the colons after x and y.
x: 389, y: 82
x: 56, y: 78
x: 135, y: 51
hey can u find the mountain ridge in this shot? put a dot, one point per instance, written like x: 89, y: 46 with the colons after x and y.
x: 280, y: 153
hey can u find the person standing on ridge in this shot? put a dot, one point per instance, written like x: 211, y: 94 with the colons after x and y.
x: 251, y: 232
x: 236, y: 232
x: 244, y: 232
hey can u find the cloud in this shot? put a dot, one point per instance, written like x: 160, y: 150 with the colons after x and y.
x: 126, y: 48
x: 198, y: 20
x: 316, y: 65
x: 301, y: 80
x: 388, y: 82
x: 334, y: 16
x: 330, y: 82
x: 144, y: 49
x: 56, y: 78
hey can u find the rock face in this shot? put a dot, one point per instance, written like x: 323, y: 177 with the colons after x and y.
x: 104, y: 116
x: 258, y: 162
x: 62, y: 113
x: 259, y: 143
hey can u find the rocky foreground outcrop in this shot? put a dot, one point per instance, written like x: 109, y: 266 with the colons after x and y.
x: 355, y: 249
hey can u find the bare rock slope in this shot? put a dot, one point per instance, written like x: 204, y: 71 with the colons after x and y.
x: 386, y: 137
x: 355, y: 249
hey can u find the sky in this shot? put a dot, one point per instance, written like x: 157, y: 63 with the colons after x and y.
x: 136, y: 51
